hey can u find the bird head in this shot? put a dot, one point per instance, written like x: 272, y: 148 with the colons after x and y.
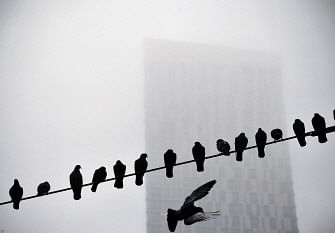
x: 197, y: 143
x: 103, y: 168
x: 143, y: 156
x: 16, y: 182
x: 77, y: 167
x: 169, y: 151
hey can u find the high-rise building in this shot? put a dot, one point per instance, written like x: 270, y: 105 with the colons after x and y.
x: 196, y: 92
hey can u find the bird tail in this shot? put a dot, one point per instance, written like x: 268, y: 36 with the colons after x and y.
x: 200, y: 165
x: 169, y: 172
x: 261, y: 152
x: 77, y: 195
x: 172, y: 219
x: 16, y: 205
x: 118, y: 183
x: 302, y: 141
x: 239, y: 156
x: 322, y: 138
x: 139, y: 180
x: 94, y: 187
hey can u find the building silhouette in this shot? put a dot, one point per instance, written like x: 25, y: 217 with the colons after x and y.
x: 195, y: 92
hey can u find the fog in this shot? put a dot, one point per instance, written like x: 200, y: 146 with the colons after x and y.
x: 71, y: 92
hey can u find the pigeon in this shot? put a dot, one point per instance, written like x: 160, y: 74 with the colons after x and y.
x: 334, y: 114
x: 119, y: 172
x: 76, y: 181
x: 276, y: 134
x: 141, y: 166
x: 98, y: 177
x: 223, y: 146
x: 241, y: 142
x: 199, y: 153
x: 16, y: 193
x: 43, y: 188
x: 319, y: 125
x: 261, y: 138
x: 170, y: 159
x: 190, y: 213
x: 299, y: 130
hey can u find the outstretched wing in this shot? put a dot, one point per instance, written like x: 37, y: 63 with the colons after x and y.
x: 199, y: 193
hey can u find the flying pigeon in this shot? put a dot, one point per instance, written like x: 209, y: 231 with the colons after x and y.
x: 261, y: 138
x: 241, y: 142
x: 170, y: 159
x: 76, y: 181
x: 276, y: 134
x: 16, y: 193
x: 299, y: 130
x: 119, y: 172
x: 98, y: 177
x: 190, y: 213
x: 141, y: 166
x: 199, y: 153
x: 43, y: 188
x: 319, y: 125
x: 223, y: 146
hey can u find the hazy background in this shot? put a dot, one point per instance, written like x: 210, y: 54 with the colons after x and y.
x: 71, y: 92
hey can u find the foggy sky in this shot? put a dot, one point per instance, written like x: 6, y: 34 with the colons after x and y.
x: 71, y: 91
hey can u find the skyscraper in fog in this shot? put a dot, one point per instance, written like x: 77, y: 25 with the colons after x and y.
x: 201, y: 93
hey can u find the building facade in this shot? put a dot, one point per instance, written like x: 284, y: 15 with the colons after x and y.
x: 196, y: 92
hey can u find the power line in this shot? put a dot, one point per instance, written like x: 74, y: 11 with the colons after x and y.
x: 330, y: 129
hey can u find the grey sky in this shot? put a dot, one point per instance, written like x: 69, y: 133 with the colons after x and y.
x: 71, y: 91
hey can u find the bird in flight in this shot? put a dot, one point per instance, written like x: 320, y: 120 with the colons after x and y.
x: 190, y: 213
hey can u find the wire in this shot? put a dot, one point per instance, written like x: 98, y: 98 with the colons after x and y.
x: 330, y: 129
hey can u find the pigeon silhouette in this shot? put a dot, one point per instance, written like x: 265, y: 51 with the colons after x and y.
x: 141, y: 166
x: 276, y: 134
x: 319, y: 125
x: 190, y: 213
x: 334, y: 114
x: 170, y: 159
x: 119, y: 172
x: 241, y: 142
x: 98, y: 177
x: 261, y: 138
x: 299, y: 131
x: 76, y: 181
x: 199, y: 154
x: 43, y: 188
x: 223, y: 146
x: 16, y: 193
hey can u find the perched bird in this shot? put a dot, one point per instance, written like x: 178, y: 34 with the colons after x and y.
x: 190, y: 213
x: 276, y: 134
x: 119, y: 172
x: 319, y: 125
x: 261, y: 138
x: 43, y: 188
x: 141, y: 166
x: 299, y: 130
x: 334, y: 114
x: 223, y: 146
x: 98, y: 177
x: 16, y: 193
x: 76, y: 181
x: 199, y: 154
x: 170, y: 159
x: 241, y: 142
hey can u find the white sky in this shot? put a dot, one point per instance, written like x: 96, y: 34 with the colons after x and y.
x: 71, y: 91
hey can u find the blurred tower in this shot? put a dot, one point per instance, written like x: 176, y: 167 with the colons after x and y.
x: 201, y: 93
